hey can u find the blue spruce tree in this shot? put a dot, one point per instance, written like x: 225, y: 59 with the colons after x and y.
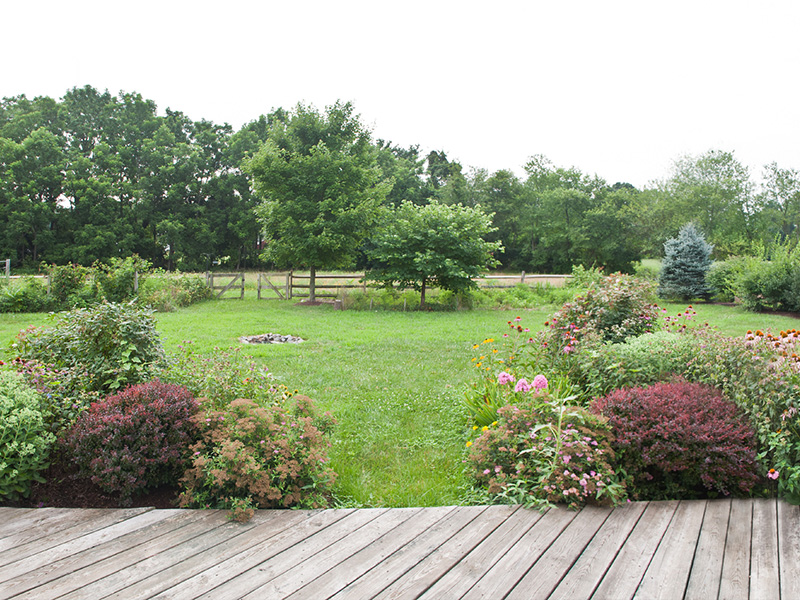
x: 687, y: 259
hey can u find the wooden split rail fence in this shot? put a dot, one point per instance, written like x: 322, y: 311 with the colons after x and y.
x: 289, y: 285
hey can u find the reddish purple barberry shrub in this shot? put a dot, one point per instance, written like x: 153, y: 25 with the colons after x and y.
x: 134, y: 440
x: 680, y: 440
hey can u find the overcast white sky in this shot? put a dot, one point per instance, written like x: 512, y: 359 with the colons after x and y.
x: 616, y: 88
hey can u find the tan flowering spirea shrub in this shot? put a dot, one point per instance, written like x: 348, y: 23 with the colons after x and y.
x: 252, y: 456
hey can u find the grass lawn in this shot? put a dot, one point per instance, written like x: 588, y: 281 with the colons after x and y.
x: 393, y: 380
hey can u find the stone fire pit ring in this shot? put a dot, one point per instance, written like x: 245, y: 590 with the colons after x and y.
x: 270, y: 338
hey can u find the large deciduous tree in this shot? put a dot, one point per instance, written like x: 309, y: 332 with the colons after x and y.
x: 321, y: 188
x: 433, y: 245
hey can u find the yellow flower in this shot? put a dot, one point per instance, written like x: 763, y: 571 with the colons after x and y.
x: 479, y: 364
x: 469, y: 443
x: 495, y: 350
x: 484, y: 428
x: 494, y: 423
x: 488, y: 340
x: 475, y: 346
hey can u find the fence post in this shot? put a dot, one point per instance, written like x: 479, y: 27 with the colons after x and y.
x: 8, y: 268
x: 136, y: 282
x: 289, y: 285
x: 522, y: 279
x: 241, y: 296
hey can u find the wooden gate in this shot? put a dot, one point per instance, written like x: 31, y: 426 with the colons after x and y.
x: 236, y: 283
x: 264, y: 283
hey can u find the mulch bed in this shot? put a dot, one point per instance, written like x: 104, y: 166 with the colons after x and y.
x: 64, y: 489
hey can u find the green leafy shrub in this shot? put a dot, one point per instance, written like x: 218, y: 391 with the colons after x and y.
x: 687, y: 259
x: 114, y: 345
x: 168, y: 292
x: 542, y: 451
x: 638, y: 361
x: 223, y: 376
x: 25, y: 441
x: 583, y: 278
x: 118, y: 279
x: 27, y: 296
x: 680, y: 440
x: 62, y: 391
x: 251, y: 456
x: 65, y: 282
x: 647, y: 272
x: 760, y: 372
x: 772, y: 282
x: 135, y: 440
x: 521, y: 295
x: 620, y: 306
x: 724, y: 277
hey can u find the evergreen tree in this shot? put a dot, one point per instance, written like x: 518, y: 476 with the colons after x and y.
x: 687, y: 259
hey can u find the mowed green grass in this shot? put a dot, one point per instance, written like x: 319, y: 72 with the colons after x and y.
x: 393, y: 380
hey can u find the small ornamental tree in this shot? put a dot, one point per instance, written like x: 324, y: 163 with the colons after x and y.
x: 687, y: 259
x: 434, y: 245
x: 320, y: 185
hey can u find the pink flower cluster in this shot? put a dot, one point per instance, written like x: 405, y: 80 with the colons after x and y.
x: 539, y: 382
x: 504, y: 378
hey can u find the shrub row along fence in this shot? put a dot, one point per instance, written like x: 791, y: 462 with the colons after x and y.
x: 289, y: 285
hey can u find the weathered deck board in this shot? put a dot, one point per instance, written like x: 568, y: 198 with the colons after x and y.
x: 693, y: 549
x: 589, y: 570
x: 710, y: 553
x: 735, y: 581
x: 623, y: 577
x: 668, y: 572
x: 789, y: 549
x: 764, y: 568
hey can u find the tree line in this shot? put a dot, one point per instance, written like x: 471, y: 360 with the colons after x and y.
x: 95, y: 176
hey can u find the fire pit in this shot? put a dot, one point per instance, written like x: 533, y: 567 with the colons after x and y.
x: 270, y: 338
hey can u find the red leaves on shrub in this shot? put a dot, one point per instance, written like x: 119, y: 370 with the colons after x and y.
x: 136, y: 439
x: 680, y: 440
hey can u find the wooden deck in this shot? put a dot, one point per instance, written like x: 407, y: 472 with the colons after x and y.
x: 700, y: 549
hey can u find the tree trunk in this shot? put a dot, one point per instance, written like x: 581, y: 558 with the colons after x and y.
x: 312, y: 284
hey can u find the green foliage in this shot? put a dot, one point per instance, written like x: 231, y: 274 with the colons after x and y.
x: 432, y: 246
x: 112, y: 345
x: 251, y: 456
x: 638, y: 361
x: 118, y: 279
x: 321, y: 188
x: 65, y: 282
x: 25, y: 441
x: 724, y: 278
x: 760, y: 372
x: 583, y: 278
x: 521, y: 295
x: 222, y: 376
x: 135, y: 440
x: 165, y: 292
x: 28, y: 296
x: 772, y: 284
x: 713, y: 190
x: 680, y: 440
x: 620, y: 306
x: 687, y: 259
x: 543, y: 451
